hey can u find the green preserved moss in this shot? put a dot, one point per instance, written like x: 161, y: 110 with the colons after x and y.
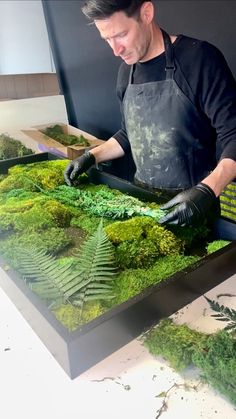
x: 31, y: 177
x: 217, y: 359
x: 70, y: 316
x: 33, y: 214
x: 140, y: 240
x: 129, y: 230
x: 10, y: 148
x: 214, y: 355
x: 138, y: 253
x: 132, y: 281
x: 52, y: 240
x: 166, y: 241
x: 175, y: 343
x: 56, y: 132
x: 216, y: 245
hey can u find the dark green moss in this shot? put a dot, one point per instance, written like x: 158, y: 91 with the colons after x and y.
x: 53, y: 240
x: 217, y: 359
x: 56, y: 132
x: 10, y: 148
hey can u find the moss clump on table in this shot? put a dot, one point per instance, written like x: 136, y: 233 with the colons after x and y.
x: 10, y: 148
x: 56, y: 132
x: 38, y: 210
x: 214, y: 355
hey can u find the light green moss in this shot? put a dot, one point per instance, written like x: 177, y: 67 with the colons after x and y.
x: 216, y: 245
x: 45, y: 175
x: 136, y: 254
x: 70, y: 316
x: 175, y: 343
x: 132, y: 281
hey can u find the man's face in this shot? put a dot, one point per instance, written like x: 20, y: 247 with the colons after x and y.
x: 128, y: 37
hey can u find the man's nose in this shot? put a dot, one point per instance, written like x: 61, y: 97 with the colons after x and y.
x: 116, y: 47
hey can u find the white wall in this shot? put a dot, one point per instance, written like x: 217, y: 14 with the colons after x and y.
x: 24, y: 44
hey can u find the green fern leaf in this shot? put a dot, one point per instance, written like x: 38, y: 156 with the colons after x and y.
x: 224, y: 314
x: 92, y: 279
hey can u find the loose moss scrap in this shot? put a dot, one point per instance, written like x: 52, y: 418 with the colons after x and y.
x: 214, y: 354
x: 175, y: 343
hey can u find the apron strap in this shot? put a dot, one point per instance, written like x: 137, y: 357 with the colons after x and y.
x: 169, y: 53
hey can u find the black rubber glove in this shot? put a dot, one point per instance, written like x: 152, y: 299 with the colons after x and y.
x: 78, y: 166
x: 191, y: 206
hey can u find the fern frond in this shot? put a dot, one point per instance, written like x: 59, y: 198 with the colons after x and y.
x: 224, y: 314
x: 55, y: 284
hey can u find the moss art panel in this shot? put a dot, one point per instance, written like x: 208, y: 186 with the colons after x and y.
x: 84, y: 250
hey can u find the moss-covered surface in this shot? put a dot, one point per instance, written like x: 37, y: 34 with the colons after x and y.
x: 216, y: 245
x: 56, y: 132
x: 38, y: 209
x: 228, y: 202
x: 10, y: 148
x: 214, y: 355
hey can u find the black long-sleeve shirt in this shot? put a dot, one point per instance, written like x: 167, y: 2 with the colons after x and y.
x: 203, y: 76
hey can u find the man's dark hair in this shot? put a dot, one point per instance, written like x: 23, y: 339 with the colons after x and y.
x: 102, y: 9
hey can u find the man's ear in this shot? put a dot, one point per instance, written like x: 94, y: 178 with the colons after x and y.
x: 147, y: 12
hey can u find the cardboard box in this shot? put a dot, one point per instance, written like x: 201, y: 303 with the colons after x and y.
x: 48, y: 144
x: 79, y: 350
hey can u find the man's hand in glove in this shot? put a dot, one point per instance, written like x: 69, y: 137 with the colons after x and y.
x: 191, y: 206
x: 78, y: 166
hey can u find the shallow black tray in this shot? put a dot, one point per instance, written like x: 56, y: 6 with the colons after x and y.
x: 79, y: 350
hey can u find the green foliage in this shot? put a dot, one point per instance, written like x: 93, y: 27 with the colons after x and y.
x: 132, y: 281
x: 133, y: 229
x: 105, y: 203
x: 190, y: 236
x: 224, y: 314
x: 136, y: 254
x: 70, y: 316
x: 216, y: 245
x: 10, y: 148
x: 52, y: 240
x: 33, y: 214
x: 31, y: 177
x: 56, y: 132
x: 166, y: 241
x: 214, y: 355
x: 59, y: 284
x: 140, y: 241
x: 228, y: 202
x: 176, y: 344
x: 217, y: 360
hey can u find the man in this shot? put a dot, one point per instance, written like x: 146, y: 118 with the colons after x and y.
x: 178, y: 99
